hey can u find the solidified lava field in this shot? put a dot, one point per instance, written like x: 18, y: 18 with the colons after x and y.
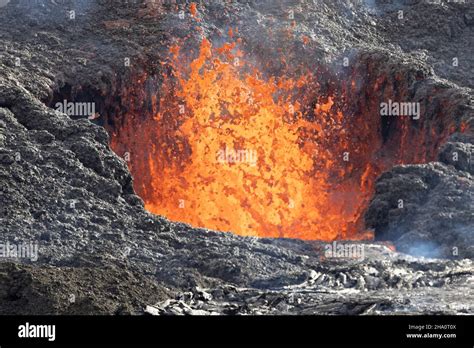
x: 236, y: 157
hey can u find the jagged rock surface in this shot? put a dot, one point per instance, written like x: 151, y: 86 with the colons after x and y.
x: 62, y: 186
x: 426, y: 209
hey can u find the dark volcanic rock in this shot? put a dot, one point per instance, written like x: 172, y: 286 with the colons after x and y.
x: 98, y: 289
x: 426, y: 209
x: 63, y: 188
x: 458, y: 154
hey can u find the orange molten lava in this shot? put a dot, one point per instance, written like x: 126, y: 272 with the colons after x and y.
x: 231, y: 150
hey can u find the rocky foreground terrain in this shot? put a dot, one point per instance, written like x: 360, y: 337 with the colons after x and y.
x: 100, y: 252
